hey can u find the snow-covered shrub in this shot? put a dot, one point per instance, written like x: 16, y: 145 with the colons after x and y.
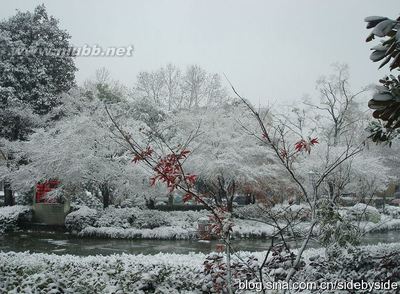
x: 85, y: 198
x: 378, y: 263
x: 294, y: 211
x: 335, y: 231
x: 364, y: 212
x: 44, y: 273
x: 161, y: 233
x: 11, y: 215
x: 215, y: 280
x: 246, y: 211
x: 149, y: 219
x: 393, y: 211
x: 23, y: 198
x: 81, y: 218
x: 117, y: 217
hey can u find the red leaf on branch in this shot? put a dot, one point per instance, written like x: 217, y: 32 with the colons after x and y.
x: 187, y: 197
x: 143, y: 154
x: 169, y: 170
x: 304, y: 145
x: 191, y: 179
x: 220, y: 247
x: 185, y: 153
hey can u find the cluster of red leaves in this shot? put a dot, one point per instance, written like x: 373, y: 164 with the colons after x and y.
x: 299, y: 146
x: 304, y: 145
x: 146, y: 153
x: 169, y: 171
x: 219, y: 224
x: 283, y: 153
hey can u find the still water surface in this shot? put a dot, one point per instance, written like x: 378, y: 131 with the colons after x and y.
x: 65, y: 243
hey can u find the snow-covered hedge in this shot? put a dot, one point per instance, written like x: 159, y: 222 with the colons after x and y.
x: 293, y: 211
x: 149, y: 219
x: 175, y: 273
x: 252, y: 210
x: 134, y: 223
x: 11, y: 215
x: 161, y: 233
x: 42, y: 273
x: 393, y: 211
x: 378, y: 263
x: 117, y: 217
x: 364, y: 212
x: 386, y: 223
x: 80, y: 219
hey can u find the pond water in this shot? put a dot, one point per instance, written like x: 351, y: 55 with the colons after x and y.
x: 65, y: 243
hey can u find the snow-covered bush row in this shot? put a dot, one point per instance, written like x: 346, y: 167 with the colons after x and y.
x: 86, y: 198
x: 131, y: 218
x: 81, y: 218
x: 134, y: 223
x: 252, y: 210
x: 11, y: 215
x: 117, y: 217
x: 378, y: 263
x: 162, y: 233
x: 393, y: 211
x: 41, y: 273
x: 184, y: 230
x: 364, y: 212
x: 279, y: 211
x: 175, y: 273
x: 149, y: 219
x: 294, y: 211
x: 386, y: 223
x: 153, y: 224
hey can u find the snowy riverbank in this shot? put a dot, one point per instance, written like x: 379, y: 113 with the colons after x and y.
x: 133, y: 223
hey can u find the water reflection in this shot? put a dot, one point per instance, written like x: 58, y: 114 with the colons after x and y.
x: 64, y: 243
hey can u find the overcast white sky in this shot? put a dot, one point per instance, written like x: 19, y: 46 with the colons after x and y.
x: 270, y: 50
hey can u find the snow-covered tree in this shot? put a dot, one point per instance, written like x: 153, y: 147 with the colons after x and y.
x: 81, y: 150
x: 338, y: 120
x: 171, y: 89
x: 172, y: 79
x: 105, y: 89
x: 31, y: 73
x: 32, y: 76
x: 386, y: 100
x: 226, y: 157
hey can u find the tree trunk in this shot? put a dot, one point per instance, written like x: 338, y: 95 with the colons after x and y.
x: 150, y: 203
x: 331, y: 190
x: 170, y: 200
x: 247, y: 198
x: 8, y: 194
x: 228, y: 262
x: 231, y: 191
x: 230, y: 204
x: 105, y: 192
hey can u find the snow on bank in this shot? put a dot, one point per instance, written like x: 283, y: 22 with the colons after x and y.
x: 241, y: 230
x: 386, y: 223
x: 135, y: 223
x: 11, y: 215
x: 160, y: 273
x: 161, y: 233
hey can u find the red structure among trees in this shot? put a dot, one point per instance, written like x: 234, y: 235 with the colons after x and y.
x: 43, y: 188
